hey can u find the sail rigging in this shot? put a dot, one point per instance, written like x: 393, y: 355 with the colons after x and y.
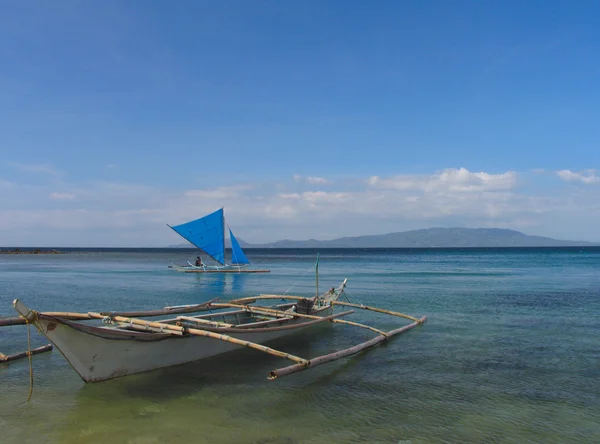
x: 237, y: 254
x: 208, y: 234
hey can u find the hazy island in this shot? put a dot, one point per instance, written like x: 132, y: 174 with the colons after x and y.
x: 29, y: 251
x: 426, y: 238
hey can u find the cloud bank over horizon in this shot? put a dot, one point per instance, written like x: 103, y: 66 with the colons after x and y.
x: 44, y: 208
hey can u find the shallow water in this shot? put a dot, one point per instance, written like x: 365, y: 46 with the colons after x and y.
x: 510, y: 351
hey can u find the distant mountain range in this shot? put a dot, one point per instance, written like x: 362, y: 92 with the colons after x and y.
x: 426, y: 238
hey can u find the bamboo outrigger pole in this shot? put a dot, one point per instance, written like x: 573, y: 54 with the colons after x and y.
x: 378, y: 310
x: 277, y: 373
x: 198, y: 332
x: 147, y: 313
x: 35, y: 351
x: 273, y: 312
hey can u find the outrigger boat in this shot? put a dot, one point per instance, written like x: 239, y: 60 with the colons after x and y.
x: 124, y: 344
x: 208, y: 234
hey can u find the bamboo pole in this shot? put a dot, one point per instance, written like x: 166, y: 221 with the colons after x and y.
x: 379, y: 310
x: 83, y: 316
x: 160, y: 312
x: 203, y: 321
x: 263, y: 323
x: 8, y: 358
x: 277, y: 373
x: 207, y: 316
x: 251, y: 299
x: 12, y: 321
x: 208, y: 334
x: 356, y: 324
x: 147, y: 328
x: 283, y: 313
x: 308, y: 323
x: 57, y: 314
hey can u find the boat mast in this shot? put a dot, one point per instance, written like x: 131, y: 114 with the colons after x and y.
x: 317, y: 274
x: 223, y: 222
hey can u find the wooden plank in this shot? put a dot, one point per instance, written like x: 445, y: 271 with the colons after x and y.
x: 208, y: 316
x: 252, y: 299
x: 284, y: 313
x: 83, y: 316
x: 263, y: 323
x: 277, y: 373
x: 42, y: 349
x: 147, y: 329
x: 161, y: 312
x: 378, y: 310
x: 205, y: 333
x: 12, y: 321
x: 291, y: 326
x: 356, y: 324
x: 265, y: 310
x: 203, y: 321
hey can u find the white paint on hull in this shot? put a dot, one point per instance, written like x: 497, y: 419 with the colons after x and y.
x: 98, y: 359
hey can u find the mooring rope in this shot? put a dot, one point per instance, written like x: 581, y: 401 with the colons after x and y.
x: 30, y: 360
x: 295, y: 283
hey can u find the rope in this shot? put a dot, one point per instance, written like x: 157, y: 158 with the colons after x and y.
x: 30, y: 361
x: 295, y: 283
x: 348, y: 298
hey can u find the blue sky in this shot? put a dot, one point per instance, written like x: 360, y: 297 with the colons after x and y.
x: 305, y: 119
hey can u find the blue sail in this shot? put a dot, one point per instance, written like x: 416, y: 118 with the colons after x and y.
x: 206, y: 233
x: 237, y: 255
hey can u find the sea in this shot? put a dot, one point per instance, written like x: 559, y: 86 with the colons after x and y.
x: 510, y: 352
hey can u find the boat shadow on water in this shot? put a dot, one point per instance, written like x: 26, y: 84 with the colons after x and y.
x: 242, y: 367
x: 237, y: 367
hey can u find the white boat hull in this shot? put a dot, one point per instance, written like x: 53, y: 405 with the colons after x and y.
x: 97, y: 358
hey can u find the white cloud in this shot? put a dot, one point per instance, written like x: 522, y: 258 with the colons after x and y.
x: 587, y: 177
x: 317, y: 180
x: 294, y: 196
x: 311, y: 180
x: 113, y: 214
x: 62, y: 196
x: 34, y: 168
x: 450, y: 180
x: 219, y: 193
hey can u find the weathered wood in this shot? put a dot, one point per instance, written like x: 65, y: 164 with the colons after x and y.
x: 147, y: 328
x: 266, y: 310
x: 356, y: 324
x: 83, y: 316
x: 236, y: 330
x: 203, y: 321
x: 378, y: 310
x: 263, y: 323
x: 277, y: 373
x: 218, y: 315
x: 208, y: 316
x: 292, y: 313
x: 205, y: 333
x: 11, y: 321
x: 57, y: 314
x: 165, y: 311
x: 292, y: 326
x: 8, y: 358
x: 252, y: 299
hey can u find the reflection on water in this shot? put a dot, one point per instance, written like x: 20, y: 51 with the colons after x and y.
x: 509, y: 353
x: 222, y: 283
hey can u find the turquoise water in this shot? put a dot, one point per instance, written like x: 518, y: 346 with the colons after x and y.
x: 510, y: 351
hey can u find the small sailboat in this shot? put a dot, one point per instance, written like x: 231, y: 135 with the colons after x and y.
x: 208, y: 234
